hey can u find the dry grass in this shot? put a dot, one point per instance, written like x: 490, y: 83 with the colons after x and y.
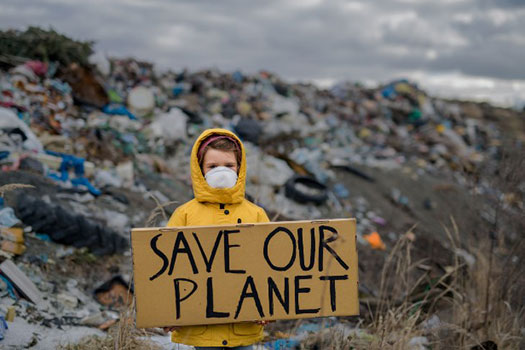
x: 468, y: 312
x: 401, y: 314
x: 158, y: 211
x: 466, y: 306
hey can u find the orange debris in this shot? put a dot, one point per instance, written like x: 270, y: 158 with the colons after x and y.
x: 374, y: 239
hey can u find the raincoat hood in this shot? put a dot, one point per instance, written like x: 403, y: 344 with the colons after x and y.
x: 204, y: 192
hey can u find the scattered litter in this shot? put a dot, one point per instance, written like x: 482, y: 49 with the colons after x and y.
x: 115, y: 293
x: 112, y: 134
x: 3, y: 327
x: 8, y: 217
x: 141, y: 100
x: 375, y: 241
x: 20, y: 281
x: 469, y: 258
x: 305, y: 189
x: 11, y: 313
x: 418, y: 343
x: 67, y: 300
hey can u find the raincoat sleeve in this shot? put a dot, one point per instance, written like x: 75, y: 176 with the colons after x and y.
x: 178, y: 218
x: 261, y: 216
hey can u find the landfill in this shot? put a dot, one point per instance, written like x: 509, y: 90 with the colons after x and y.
x: 89, y: 151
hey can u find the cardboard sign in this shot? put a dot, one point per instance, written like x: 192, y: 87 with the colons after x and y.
x: 245, y: 272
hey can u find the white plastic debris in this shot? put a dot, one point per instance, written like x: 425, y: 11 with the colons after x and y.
x: 101, y: 61
x: 170, y: 126
x: 9, y: 120
x: 141, y: 100
x: 469, y: 258
x: 418, y: 343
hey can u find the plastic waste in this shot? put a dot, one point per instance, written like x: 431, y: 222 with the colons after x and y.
x: 3, y: 327
x: 116, y: 221
x: 101, y: 62
x: 10, y: 287
x: 469, y: 258
x: 248, y: 130
x: 68, y: 228
x: 170, y: 126
x: 11, y: 313
x: 141, y: 100
x: 282, y: 344
x: 25, y: 71
x: 398, y: 197
x: 375, y: 241
x: 283, y: 105
x: 8, y: 217
x: 38, y: 67
x: 312, y: 161
x: 418, y: 343
x: 10, y: 121
x: 67, y: 300
x: 60, y: 86
x: 237, y: 76
x: 118, y: 109
x: 341, y: 191
x: 263, y: 169
x: 77, y: 164
x: 105, y: 178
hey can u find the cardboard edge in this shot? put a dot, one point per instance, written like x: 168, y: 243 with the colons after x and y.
x: 175, y: 228
x: 141, y: 324
x: 135, y: 296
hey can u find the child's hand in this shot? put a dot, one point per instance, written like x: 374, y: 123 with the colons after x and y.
x: 170, y: 329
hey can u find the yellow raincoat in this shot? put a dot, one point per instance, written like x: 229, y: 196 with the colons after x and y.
x: 212, y: 206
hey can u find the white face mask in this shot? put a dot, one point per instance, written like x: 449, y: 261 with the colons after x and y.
x: 221, y: 177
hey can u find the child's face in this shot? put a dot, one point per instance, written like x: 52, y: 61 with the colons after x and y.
x: 214, y: 158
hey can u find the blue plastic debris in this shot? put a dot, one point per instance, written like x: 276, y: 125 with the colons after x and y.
x: 179, y: 89
x: 77, y: 163
x: 4, y: 154
x: 237, y: 76
x: 3, y: 327
x: 389, y: 91
x: 43, y: 237
x: 341, y: 191
x: 82, y: 181
x: 118, y: 109
x: 10, y: 287
x: 61, y: 87
x: 282, y: 344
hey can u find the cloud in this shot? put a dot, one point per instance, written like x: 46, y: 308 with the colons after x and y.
x: 309, y: 40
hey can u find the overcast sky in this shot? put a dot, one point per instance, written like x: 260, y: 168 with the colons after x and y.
x: 465, y: 48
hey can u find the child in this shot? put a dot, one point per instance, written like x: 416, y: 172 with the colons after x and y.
x: 218, y: 174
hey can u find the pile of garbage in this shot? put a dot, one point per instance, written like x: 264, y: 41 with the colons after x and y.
x: 108, y: 127
x: 98, y: 140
